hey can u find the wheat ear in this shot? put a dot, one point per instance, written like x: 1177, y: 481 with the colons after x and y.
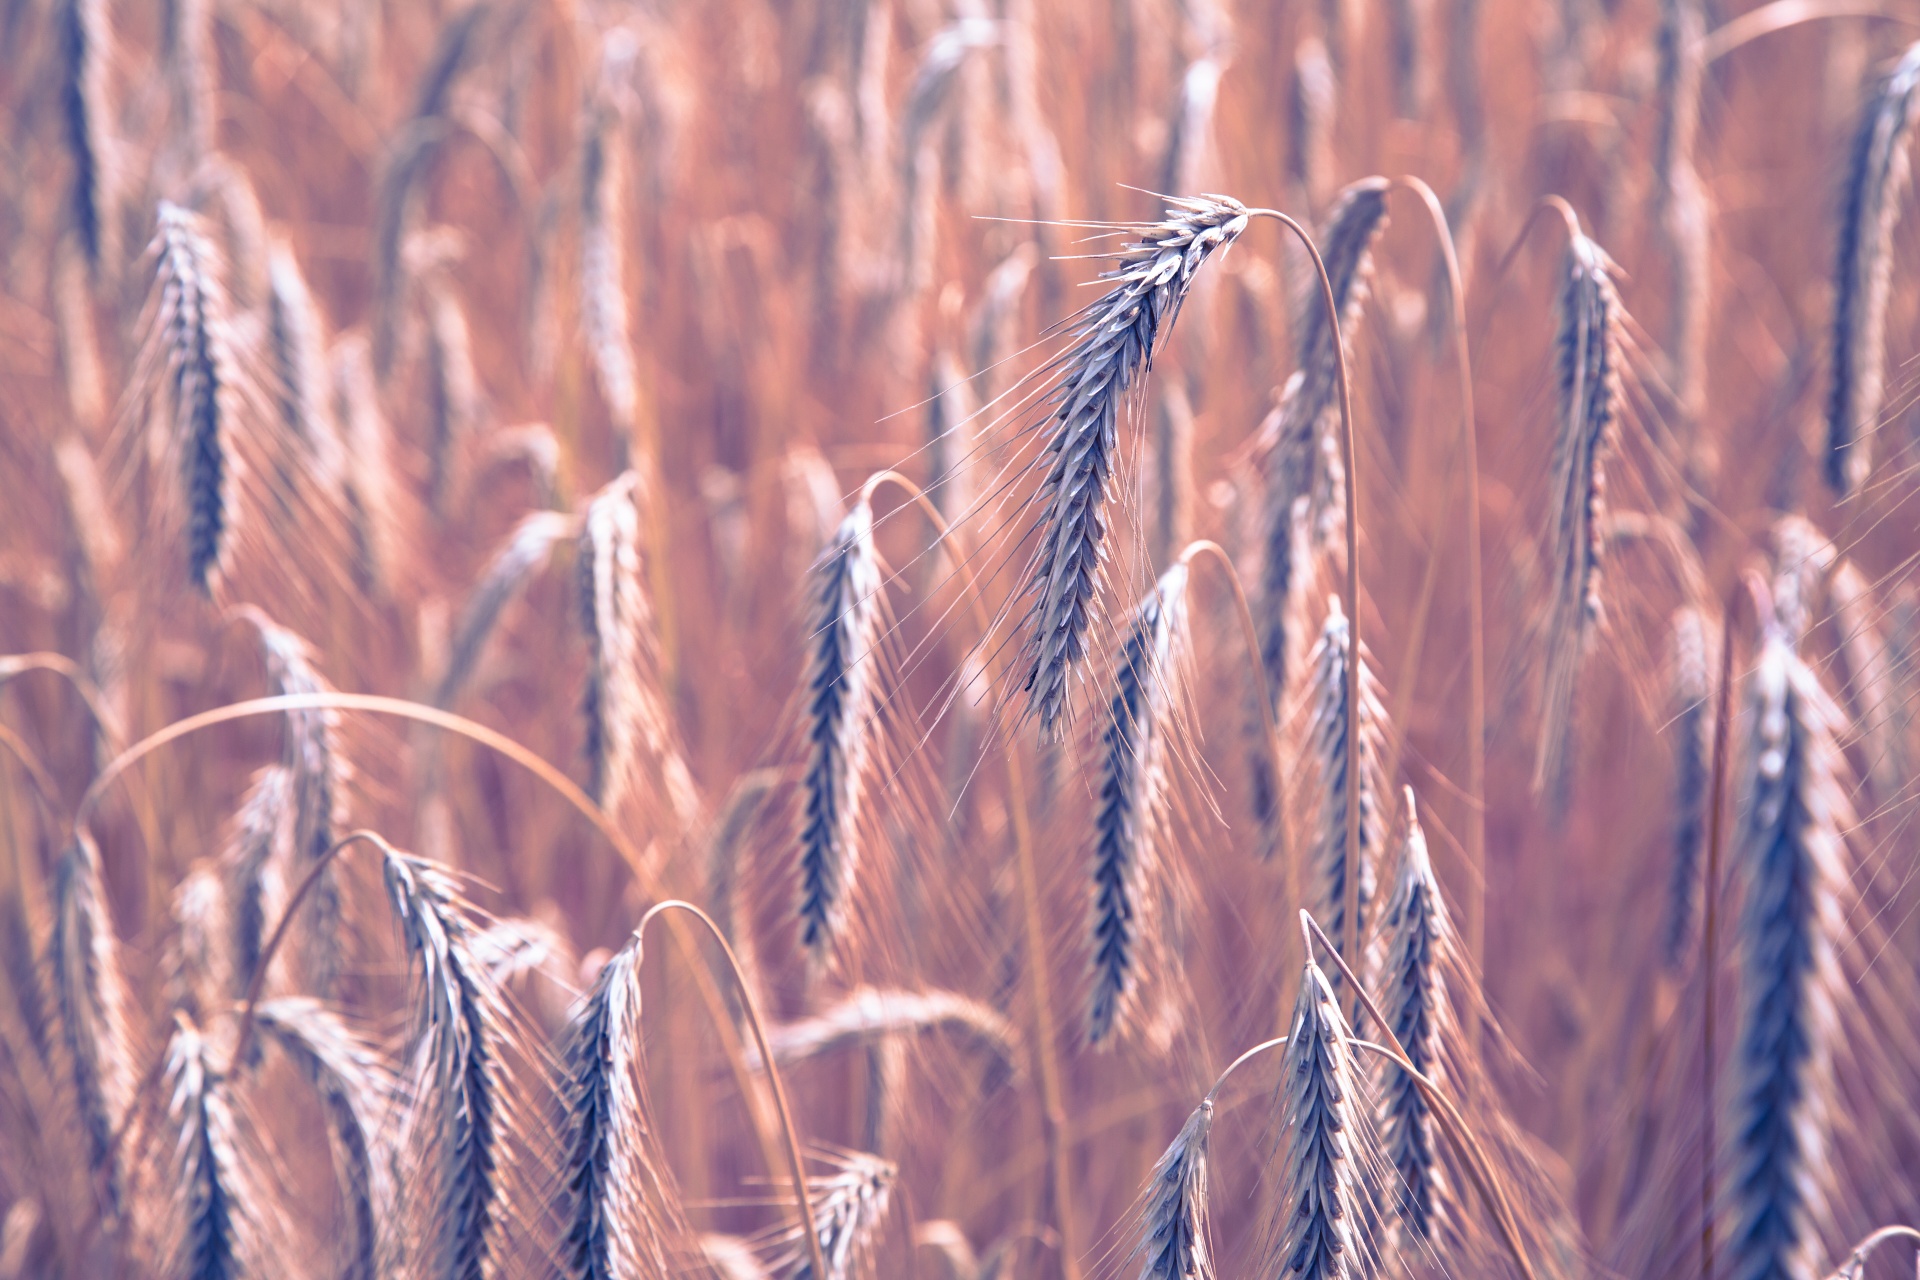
x: 209, y: 1206
x: 1690, y: 667
x: 1346, y: 762
x: 518, y: 559
x: 1318, y: 1231
x: 1793, y: 861
x: 1877, y: 179
x: 354, y: 1089
x: 1588, y: 366
x: 1419, y: 945
x: 1114, y: 341
x: 1173, y: 1243
x: 841, y: 705
x: 849, y: 1206
x: 83, y: 39
x: 90, y: 993
x: 1131, y: 809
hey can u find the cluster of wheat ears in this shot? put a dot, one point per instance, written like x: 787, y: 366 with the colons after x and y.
x: 604, y: 674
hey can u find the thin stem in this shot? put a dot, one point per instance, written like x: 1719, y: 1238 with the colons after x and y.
x: 1353, y: 545
x: 1782, y: 14
x: 803, y: 1198
x: 1052, y: 1108
x: 1235, y: 1065
x: 1857, y: 1260
x: 1269, y: 718
x: 1473, y: 1158
x: 1476, y: 621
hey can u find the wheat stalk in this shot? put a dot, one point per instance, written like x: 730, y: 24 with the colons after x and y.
x: 1794, y: 863
x: 1588, y: 365
x: 1877, y: 179
x: 841, y: 705
x: 1114, y: 341
x: 1130, y: 815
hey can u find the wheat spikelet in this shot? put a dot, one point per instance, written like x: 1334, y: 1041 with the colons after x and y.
x: 83, y: 36
x: 733, y: 1258
x: 209, y: 1208
x: 1588, y: 365
x: 1342, y: 764
x: 257, y: 847
x: 1305, y: 421
x: 199, y: 380
x: 617, y: 620
x: 196, y: 962
x: 1114, y: 340
x: 1318, y: 1226
x: 849, y: 1206
x: 223, y: 195
x: 611, y: 1216
x: 1131, y: 807
x: 1793, y: 864
x: 1690, y: 665
x: 354, y: 1089
x: 1877, y: 179
x: 519, y: 558
x: 294, y: 335
x: 368, y: 483
x: 1802, y: 560
x: 1172, y: 1243
x: 1419, y: 945
x: 90, y: 992
x: 841, y: 691
x: 460, y: 1021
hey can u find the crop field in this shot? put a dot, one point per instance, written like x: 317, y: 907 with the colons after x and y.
x: 959, y: 639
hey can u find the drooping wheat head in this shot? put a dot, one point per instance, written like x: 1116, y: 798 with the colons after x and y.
x: 617, y: 621
x: 1877, y: 180
x: 841, y: 693
x: 1792, y: 859
x: 1114, y: 341
x: 1172, y: 1239
x: 1588, y: 364
x: 849, y: 1206
x: 1690, y: 664
x: 1131, y: 801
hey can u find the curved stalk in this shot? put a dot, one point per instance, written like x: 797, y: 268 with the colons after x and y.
x: 1353, y: 531
x: 1047, y: 1068
x: 1782, y: 14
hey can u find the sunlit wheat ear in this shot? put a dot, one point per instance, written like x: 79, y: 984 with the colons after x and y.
x: 299, y: 382
x: 198, y: 378
x: 1308, y: 417
x: 1130, y: 814
x: 90, y: 991
x: 1588, y: 366
x: 1870, y: 688
x: 614, y: 1193
x: 1173, y: 1242
x: 318, y: 770
x: 460, y: 1021
x: 368, y: 479
x: 841, y: 693
x: 1420, y: 947
x: 1690, y: 664
x: 85, y: 119
x: 1342, y: 763
x: 524, y: 554
x: 1319, y: 1231
x: 1877, y: 180
x: 1802, y: 559
x: 210, y: 1209
x: 1793, y: 865
x: 849, y: 1207
x: 1114, y: 341
x: 603, y: 293
x: 355, y: 1090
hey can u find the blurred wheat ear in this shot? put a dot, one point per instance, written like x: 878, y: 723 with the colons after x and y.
x: 90, y: 992
x: 1114, y: 341
x: 1344, y: 879
x: 85, y: 53
x: 1877, y: 181
x: 1690, y: 664
x: 1421, y: 948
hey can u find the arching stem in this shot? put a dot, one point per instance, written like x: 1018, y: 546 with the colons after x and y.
x: 1047, y: 1067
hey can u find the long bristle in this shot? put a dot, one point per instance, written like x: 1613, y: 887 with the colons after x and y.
x: 1115, y: 339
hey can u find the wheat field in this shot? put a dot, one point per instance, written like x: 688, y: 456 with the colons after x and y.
x: 1077, y: 639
